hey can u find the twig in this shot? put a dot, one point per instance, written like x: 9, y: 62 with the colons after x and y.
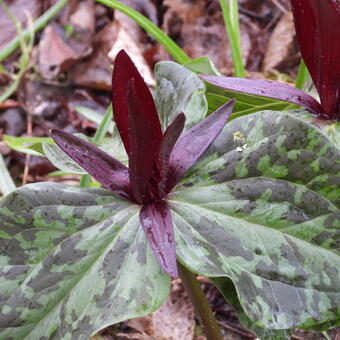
x: 295, y: 337
x: 235, y: 330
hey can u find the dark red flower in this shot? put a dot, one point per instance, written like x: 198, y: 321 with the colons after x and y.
x: 317, y: 25
x: 157, y: 160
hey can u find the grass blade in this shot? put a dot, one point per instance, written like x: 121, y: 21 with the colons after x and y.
x: 231, y: 21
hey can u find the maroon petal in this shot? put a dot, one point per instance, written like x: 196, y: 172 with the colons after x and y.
x: 156, y: 221
x: 317, y: 25
x: 125, y: 70
x: 169, y: 140
x: 111, y: 173
x: 191, y: 145
x: 265, y: 88
x: 145, y: 138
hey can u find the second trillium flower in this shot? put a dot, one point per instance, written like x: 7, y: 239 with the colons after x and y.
x: 157, y: 159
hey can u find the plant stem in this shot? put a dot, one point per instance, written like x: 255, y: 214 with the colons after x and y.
x: 231, y: 21
x: 174, y: 50
x: 38, y: 24
x: 192, y: 286
x: 302, y: 75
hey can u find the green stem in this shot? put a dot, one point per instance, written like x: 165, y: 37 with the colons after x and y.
x: 302, y: 75
x: 6, y: 182
x: 38, y: 24
x: 231, y: 21
x: 173, y: 49
x: 192, y: 286
x: 85, y: 180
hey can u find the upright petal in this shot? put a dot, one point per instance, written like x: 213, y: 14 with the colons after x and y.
x: 125, y: 70
x: 317, y: 25
x: 191, y: 145
x: 265, y: 88
x: 157, y: 224
x: 145, y: 138
x: 169, y: 140
x: 111, y: 173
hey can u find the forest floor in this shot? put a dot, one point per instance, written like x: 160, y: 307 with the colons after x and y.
x: 70, y: 65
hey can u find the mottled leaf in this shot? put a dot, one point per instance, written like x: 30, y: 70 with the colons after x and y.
x: 328, y: 127
x: 227, y: 288
x: 266, y: 88
x: 192, y: 144
x: 179, y: 90
x: 66, y: 263
x: 262, y: 208
x: 156, y: 221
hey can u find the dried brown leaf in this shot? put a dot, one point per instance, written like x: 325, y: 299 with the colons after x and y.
x: 280, y: 43
x: 174, y: 320
x: 19, y: 9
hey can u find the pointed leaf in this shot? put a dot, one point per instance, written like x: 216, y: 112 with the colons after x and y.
x: 319, y: 22
x: 262, y: 208
x: 145, y: 140
x: 108, y: 171
x: 195, y: 141
x: 65, y: 264
x: 266, y: 88
x: 227, y: 289
x: 28, y: 145
x: 157, y: 224
x: 125, y: 70
x: 203, y: 65
x: 179, y: 90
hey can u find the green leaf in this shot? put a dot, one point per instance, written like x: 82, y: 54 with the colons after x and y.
x: 179, y: 90
x: 95, y: 117
x: 262, y: 208
x: 330, y: 128
x: 227, y: 289
x: 28, y: 145
x: 73, y: 261
x: 203, y: 65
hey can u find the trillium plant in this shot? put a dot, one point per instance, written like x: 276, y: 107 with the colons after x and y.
x: 252, y: 203
x: 317, y: 25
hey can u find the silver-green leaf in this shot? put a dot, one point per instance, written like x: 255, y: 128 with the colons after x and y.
x: 72, y: 261
x: 262, y: 208
x: 179, y: 90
